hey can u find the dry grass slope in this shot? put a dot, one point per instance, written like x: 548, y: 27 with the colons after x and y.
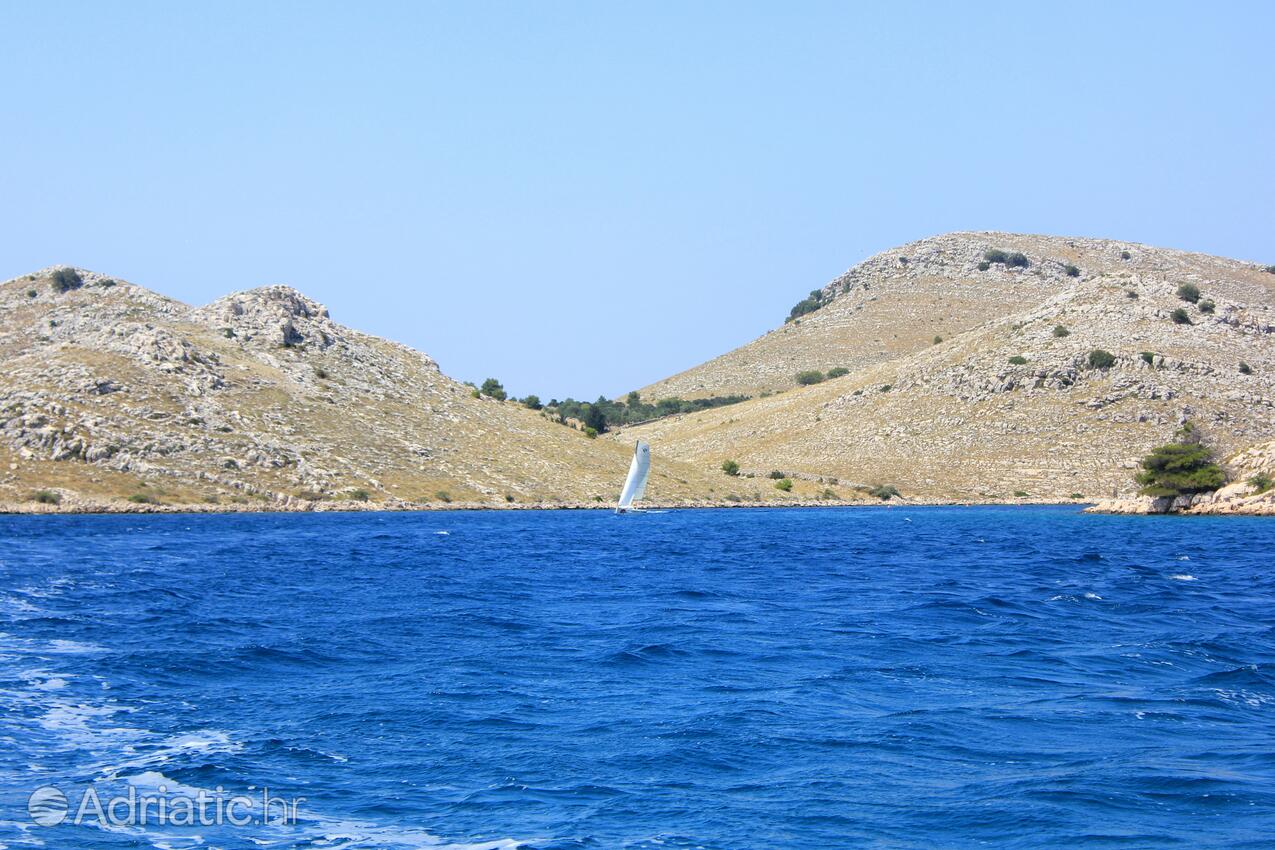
x: 958, y: 419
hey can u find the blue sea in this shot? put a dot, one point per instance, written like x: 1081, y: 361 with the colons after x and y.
x: 824, y: 678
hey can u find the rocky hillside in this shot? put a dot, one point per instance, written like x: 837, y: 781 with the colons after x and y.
x: 113, y: 395
x: 1009, y: 403
x: 897, y: 302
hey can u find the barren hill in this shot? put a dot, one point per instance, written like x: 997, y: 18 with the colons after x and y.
x: 896, y: 303
x: 1005, y: 404
x: 110, y: 392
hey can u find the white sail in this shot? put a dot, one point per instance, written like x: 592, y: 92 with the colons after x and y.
x: 635, y: 484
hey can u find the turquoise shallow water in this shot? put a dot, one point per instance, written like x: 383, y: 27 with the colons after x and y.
x: 842, y: 677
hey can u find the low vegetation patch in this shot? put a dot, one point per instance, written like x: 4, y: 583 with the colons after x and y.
x: 142, y: 499
x: 1060, y: 331
x: 810, y: 376
x: 776, y: 475
x: 784, y: 484
x: 1101, y: 359
x: 1148, y: 357
x: 809, y: 304
x: 1015, y: 260
x: 1261, y: 482
x: 64, y: 280
x: 443, y: 496
x: 603, y: 413
x: 730, y: 468
x: 984, y: 266
x: 1020, y: 494
x: 360, y: 495
x: 937, y: 339
x: 838, y: 371
x: 1180, y: 317
x: 1180, y: 468
x: 46, y: 497
x: 1018, y: 360
x: 1189, y: 292
x: 1206, y: 305
x: 884, y: 492
x: 493, y: 389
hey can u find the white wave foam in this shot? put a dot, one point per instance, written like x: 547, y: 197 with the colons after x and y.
x: 1182, y: 577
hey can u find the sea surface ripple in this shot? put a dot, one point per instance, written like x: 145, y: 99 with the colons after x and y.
x: 825, y: 678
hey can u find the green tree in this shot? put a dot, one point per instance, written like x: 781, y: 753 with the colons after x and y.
x: 532, y: 402
x: 491, y: 387
x: 595, y: 417
x: 1180, y: 468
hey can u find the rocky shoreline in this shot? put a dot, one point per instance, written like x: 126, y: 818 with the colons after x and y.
x: 301, y: 506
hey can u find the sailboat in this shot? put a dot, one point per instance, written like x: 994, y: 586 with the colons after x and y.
x: 635, y: 484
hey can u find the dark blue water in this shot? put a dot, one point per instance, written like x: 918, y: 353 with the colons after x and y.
x: 965, y: 677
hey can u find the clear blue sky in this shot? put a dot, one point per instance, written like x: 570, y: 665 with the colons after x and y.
x: 581, y: 198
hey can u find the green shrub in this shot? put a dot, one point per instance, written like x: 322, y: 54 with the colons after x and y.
x: 884, y: 492
x: 1262, y: 482
x: 1101, y: 359
x: 493, y: 389
x: 1060, y: 331
x: 1130, y: 294
x: 65, y: 280
x: 1148, y: 357
x: 838, y: 371
x: 1124, y: 255
x: 141, y: 499
x: 808, y: 377
x: 807, y: 305
x: 937, y: 339
x: 1245, y: 369
x: 31, y: 293
x: 443, y: 496
x: 829, y: 493
x: 46, y: 497
x: 532, y: 402
x: 106, y: 282
x: 1017, y: 260
x: 984, y: 266
x: 591, y: 432
x: 1180, y: 468
x: 776, y: 475
x: 1270, y: 269
x: 1071, y: 270
x: 1180, y: 317
x: 1020, y: 494
x: 995, y: 255
x: 784, y: 484
x: 321, y: 373
x: 1080, y: 495
x: 360, y: 495
x: 1018, y: 360
x: 1206, y: 305
x: 730, y: 467
x: 509, y: 497
x: 1189, y: 292
x: 885, y: 388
